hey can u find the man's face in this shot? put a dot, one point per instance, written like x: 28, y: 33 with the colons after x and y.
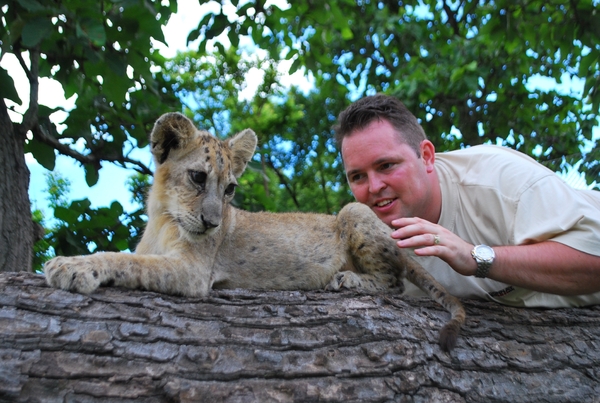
x: 386, y: 174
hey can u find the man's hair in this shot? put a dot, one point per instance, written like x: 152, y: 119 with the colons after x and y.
x: 361, y: 113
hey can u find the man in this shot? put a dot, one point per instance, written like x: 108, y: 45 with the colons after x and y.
x: 487, y: 222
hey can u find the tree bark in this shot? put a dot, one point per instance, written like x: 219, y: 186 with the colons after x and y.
x: 16, y: 226
x: 245, y: 346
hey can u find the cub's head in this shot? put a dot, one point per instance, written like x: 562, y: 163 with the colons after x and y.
x: 196, y: 173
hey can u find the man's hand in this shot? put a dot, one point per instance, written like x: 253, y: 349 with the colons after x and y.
x: 546, y: 266
x: 428, y: 239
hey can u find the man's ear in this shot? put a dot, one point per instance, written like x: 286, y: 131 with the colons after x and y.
x: 428, y: 154
x: 242, y: 146
x: 171, y: 131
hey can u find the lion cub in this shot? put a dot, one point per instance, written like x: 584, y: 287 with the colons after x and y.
x: 195, y: 240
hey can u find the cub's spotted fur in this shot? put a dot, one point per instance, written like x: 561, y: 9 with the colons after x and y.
x: 195, y: 240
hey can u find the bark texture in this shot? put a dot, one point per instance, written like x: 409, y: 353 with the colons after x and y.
x: 243, y: 346
x: 16, y: 227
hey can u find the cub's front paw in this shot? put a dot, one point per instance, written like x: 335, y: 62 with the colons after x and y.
x: 344, y: 279
x: 76, y: 273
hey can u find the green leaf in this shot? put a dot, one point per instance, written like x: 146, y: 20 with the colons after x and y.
x: 43, y: 154
x: 471, y: 66
x: 45, y: 111
x: 80, y: 206
x: 31, y: 5
x: 219, y: 24
x: 91, y: 174
x: 35, y: 30
x: 586, y: 62
x: 94, y: 30
x: 7, y: 87
x: 115, y: 86
x: 116, y: 208
x: 195, y: 33
x: 116, y: 62
x: 457, y: 74
x: 296, y: 64
x: 192, y: 36
x: 122, y: 244
x: 65, y: 214
x: 347, y: 34
x: 152, y: 27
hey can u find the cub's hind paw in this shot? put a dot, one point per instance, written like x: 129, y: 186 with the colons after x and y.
x: 365, y: 283
x: 75, y: 273
x: 344, y: 279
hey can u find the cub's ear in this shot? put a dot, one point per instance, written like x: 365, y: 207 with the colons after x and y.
x: 171, y: 131
x: 242, y: 146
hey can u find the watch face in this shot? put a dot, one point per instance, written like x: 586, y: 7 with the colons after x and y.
x: 484, y: 252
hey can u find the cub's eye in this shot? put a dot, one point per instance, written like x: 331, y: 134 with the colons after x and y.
x: 198, y: 178
x: 230, y: 189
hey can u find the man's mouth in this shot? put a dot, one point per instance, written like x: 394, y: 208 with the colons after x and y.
x: 384, y: 202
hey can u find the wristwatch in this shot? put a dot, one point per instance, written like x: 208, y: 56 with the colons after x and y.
x: 484, y: 256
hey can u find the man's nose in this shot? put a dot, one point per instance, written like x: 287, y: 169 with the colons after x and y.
x: 376, y: 185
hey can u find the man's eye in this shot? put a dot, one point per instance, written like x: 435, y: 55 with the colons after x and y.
x: 198, y: 178
x: 230, y: 189
x: 356, y: 177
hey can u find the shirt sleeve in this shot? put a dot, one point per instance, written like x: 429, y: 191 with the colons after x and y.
x: 552, y: 210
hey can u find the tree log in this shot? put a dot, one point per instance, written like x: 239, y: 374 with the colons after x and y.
x: 245, y: 346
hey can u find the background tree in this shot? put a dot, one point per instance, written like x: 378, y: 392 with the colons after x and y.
x: 466, y: 68
x: 102, y: 52
x: 76, y: 228
x: 297, y: 166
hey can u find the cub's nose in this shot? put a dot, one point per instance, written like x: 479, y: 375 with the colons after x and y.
x: 208, y: 224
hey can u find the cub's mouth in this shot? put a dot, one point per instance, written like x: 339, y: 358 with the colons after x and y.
x: 192, y: 230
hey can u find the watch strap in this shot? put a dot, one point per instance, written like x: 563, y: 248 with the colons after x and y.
x: 483, y: 265
x: 483, y: 268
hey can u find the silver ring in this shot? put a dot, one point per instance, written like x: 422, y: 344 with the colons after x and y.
x: 436, y: 239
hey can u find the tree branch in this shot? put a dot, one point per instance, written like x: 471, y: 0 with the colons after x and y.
x: 30, y: 118
x: 31, y: 122
x: 41, y: 134
x: 323, y: 184
x: 451, y: 18
x: 284, y: 182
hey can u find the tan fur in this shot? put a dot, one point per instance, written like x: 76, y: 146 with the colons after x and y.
x: 195, y: 240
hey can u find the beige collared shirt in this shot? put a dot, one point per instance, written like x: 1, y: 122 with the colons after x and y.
x: 496, y: 196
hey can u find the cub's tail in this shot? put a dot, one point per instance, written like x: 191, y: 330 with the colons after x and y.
x: 417, y: 275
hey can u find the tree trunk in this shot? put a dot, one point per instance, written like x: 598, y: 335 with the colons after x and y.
x: 16, y: 226
x: 236, y: 345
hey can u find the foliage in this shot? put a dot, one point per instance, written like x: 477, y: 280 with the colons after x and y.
x: 102, y: 52
x: 79, y: 229
x: 42, y: 251
x: 57, y: 189
x: 468, y: 69
x: 297, y: 166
